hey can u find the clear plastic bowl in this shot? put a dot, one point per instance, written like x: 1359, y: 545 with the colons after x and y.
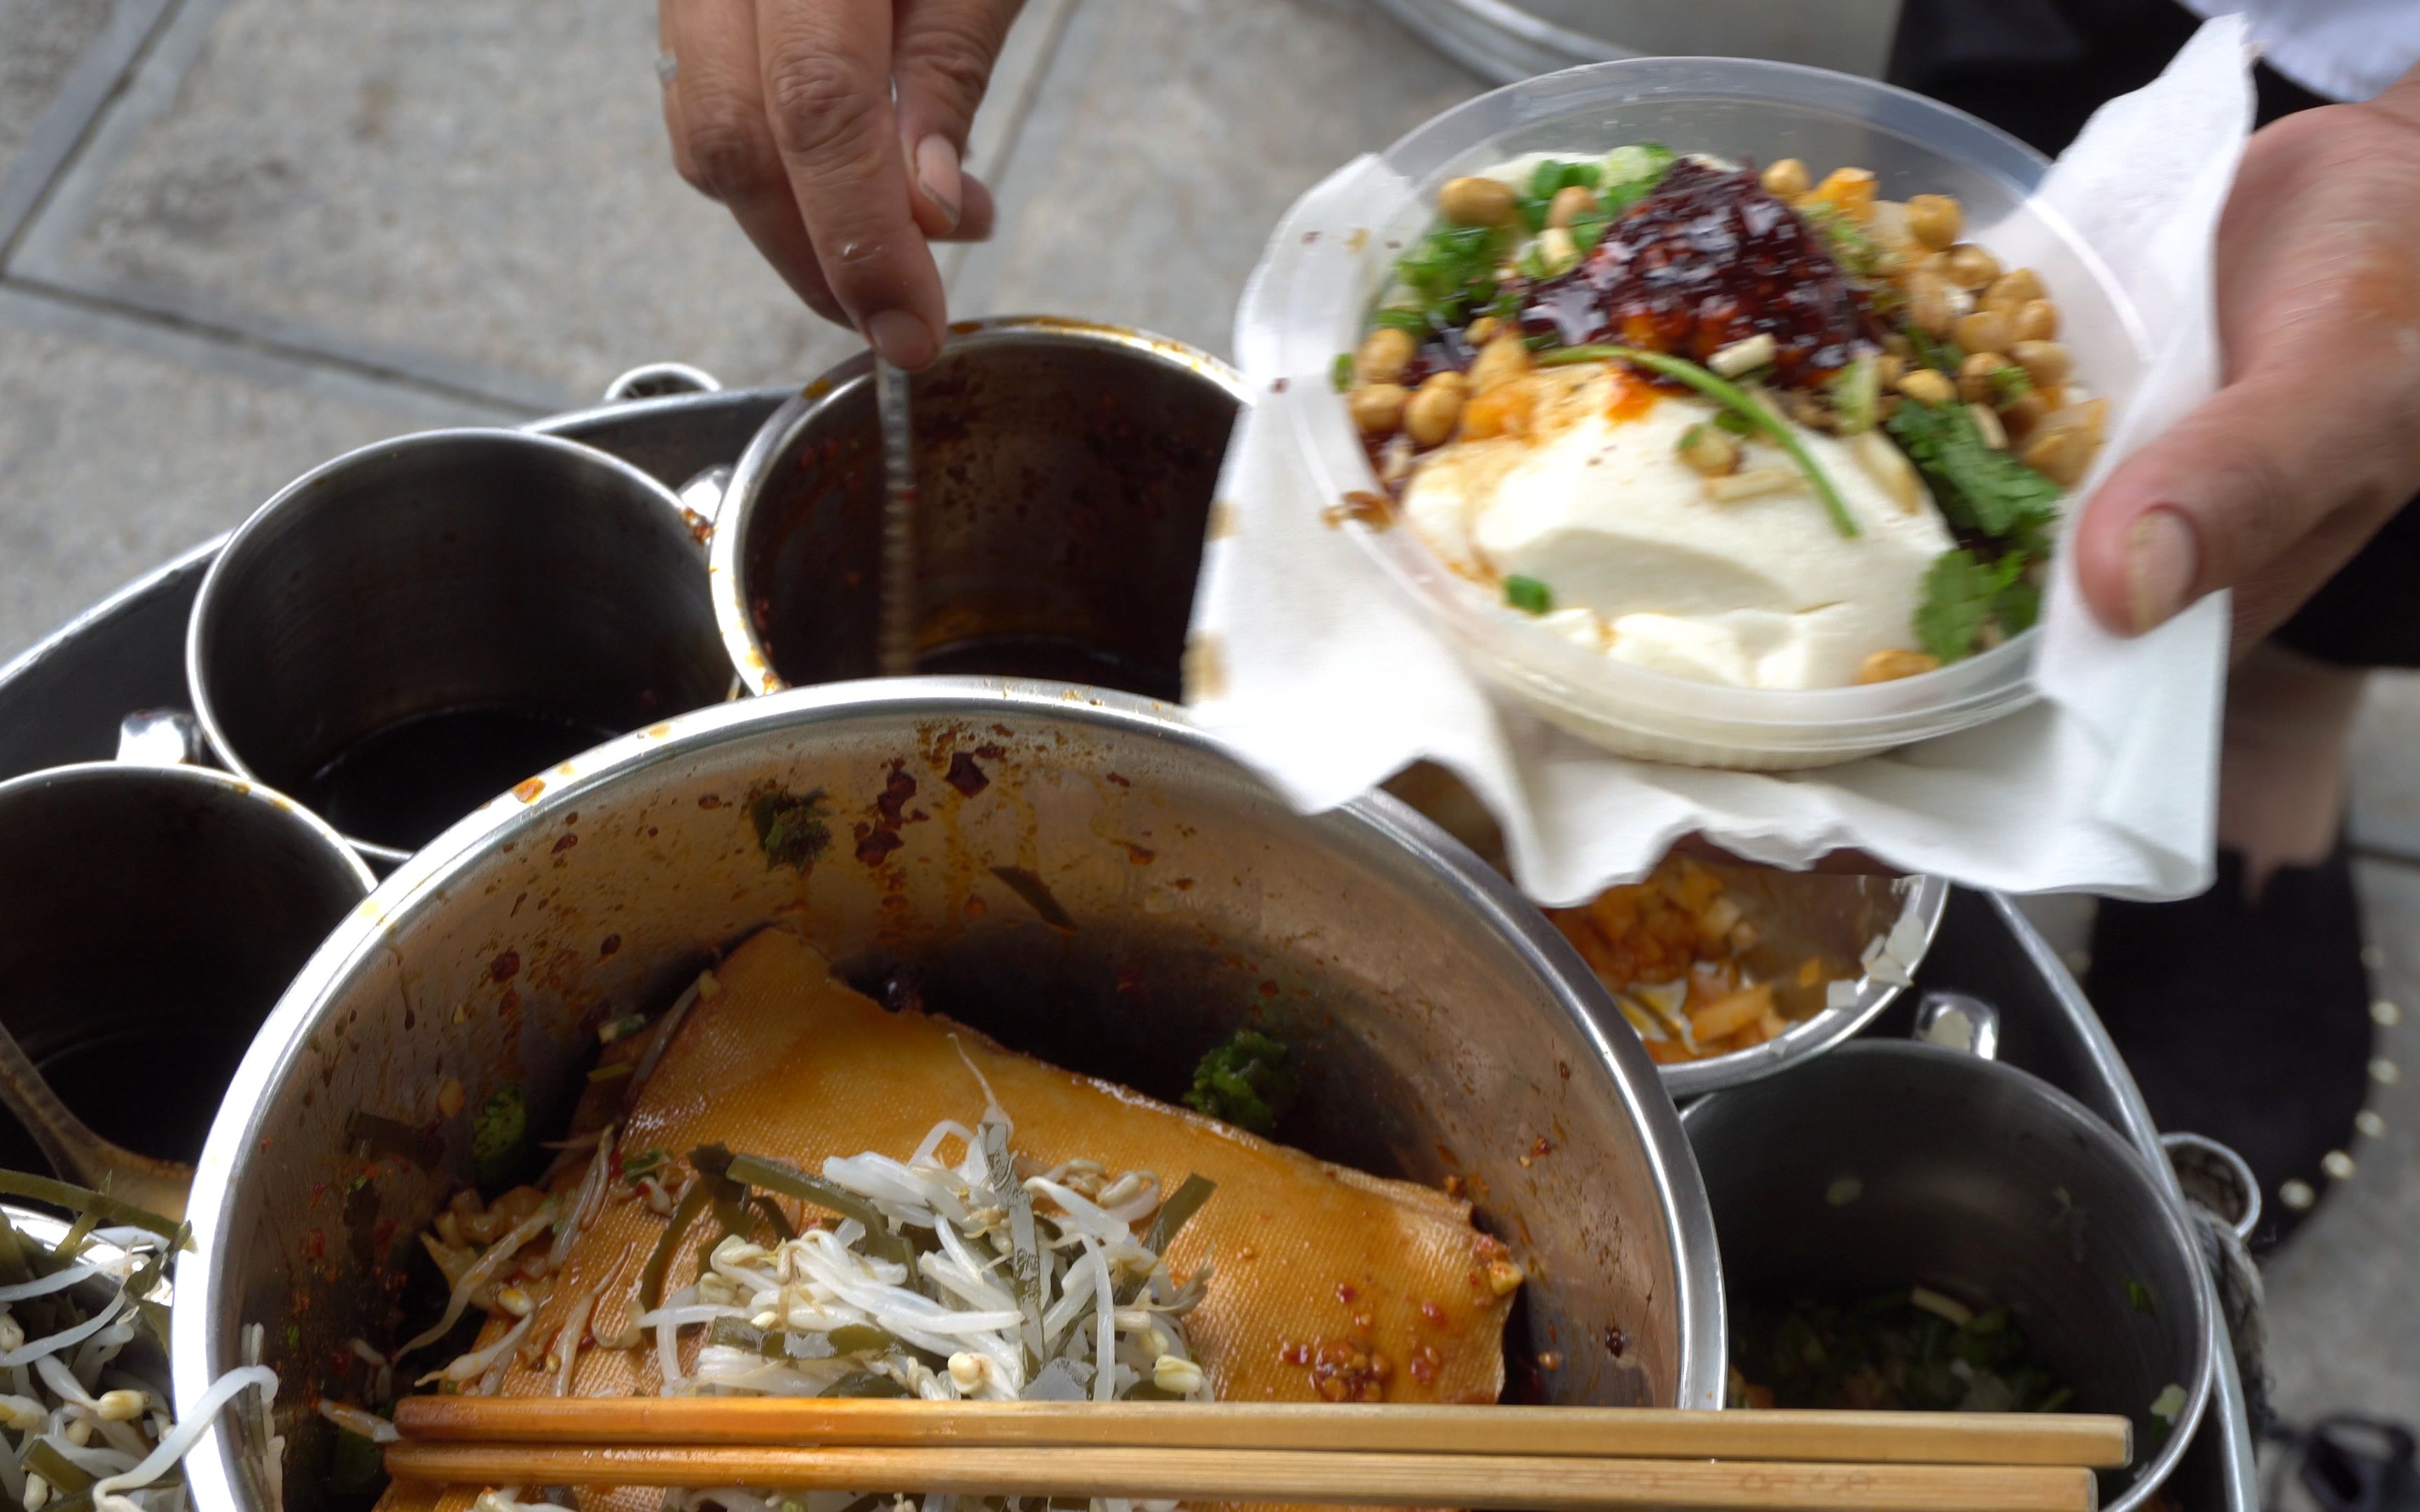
x: 1741, y: 110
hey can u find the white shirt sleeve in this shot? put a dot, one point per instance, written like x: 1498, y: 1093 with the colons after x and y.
x: 2344, y: 50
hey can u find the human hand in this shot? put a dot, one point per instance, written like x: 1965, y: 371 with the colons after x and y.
x: 2313, y: 440
x: 785, y: 111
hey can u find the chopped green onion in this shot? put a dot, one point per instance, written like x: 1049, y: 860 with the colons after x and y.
x: 1690, y: 438
x: 620, y: 1029
x: 1933, y: 352
x: 1341, y: 373
x: 1409, y: 321
x: 2138, y: 1296
x: 1856, y: 393
x: 1722, y: 391
x: 1528, y: 594
x: 2010, y: 383
x: 1735, y: 422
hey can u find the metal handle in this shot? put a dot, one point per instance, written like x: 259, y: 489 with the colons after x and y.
x: 1956, y: 1021
x: 162, y: 737
x: 2216, y: 1178
x: 656, y: 380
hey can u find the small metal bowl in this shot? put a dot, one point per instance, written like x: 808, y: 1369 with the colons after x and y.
x: 1064, y: 476
x: 1885, y: 924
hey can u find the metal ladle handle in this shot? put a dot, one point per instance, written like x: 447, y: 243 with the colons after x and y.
x: 78, y: 1153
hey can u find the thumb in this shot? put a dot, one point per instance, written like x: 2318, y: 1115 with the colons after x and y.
x: 941, y: 61
x: 2267, y: 488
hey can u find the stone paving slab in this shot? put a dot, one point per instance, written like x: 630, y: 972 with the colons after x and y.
x: 2343, y: 1326
x: 476, y: 196
x: 122, y: 444
x: 1167, y: 138
x: 60, y: 60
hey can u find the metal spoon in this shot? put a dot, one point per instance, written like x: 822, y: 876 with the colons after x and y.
x: 79, y: 1154
x: 898, y: 639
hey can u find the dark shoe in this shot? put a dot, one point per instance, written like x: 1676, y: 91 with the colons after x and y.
x: 2355, y: 1464
x: 2248, y: 1022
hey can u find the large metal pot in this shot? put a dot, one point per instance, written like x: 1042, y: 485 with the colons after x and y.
x: 1445, y: 1028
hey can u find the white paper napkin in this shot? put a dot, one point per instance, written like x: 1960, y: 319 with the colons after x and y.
x: 1306, y: 661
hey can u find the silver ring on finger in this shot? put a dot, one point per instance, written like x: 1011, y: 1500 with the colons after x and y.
x: 667, y: 68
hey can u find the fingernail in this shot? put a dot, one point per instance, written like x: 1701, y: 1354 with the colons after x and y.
x: 900, y: 339
x: 2162, y: 557
x: 937, y: 171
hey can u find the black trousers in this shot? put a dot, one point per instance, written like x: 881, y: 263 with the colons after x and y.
x: 2036, y: 68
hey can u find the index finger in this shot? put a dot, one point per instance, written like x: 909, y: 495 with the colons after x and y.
x: 828, y: 93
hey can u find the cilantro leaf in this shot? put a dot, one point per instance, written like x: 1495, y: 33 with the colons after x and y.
x: 1245, y: 1082
x: 1963, y: 598
x: 1528, y: 594
x: 1978, y: 489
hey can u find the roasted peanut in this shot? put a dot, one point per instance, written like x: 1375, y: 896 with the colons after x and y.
x: 2062, y: 454
x: 1709, y: 451
x: 2045, y: 361
x: 1851, y: 190
x: 1970, y: 267
x: 2022, y: 415
x: 1476, y: 201
x: 1892, y: 665
x: 1378, y: 408
x: 1436, y: 408
x: 1499, y: 362
x: 1931, y: 303
x: 1888, y: 368
x: 1569, y: 203
x: 1787, y: 179
x: 2016, y: 286
x: 1985, y: 331
x: 1975, y: 377
x: 2036, y: 320
x: 1926, y: 385
x: 1482, y: 331
x: 1935, y: 220
x: 1384, y: 355
x: 1987, y: 424
x: 1558, y: 250
x: 1502, y: 410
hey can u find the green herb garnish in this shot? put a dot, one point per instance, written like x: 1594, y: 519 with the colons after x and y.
x: 2138, y: 1297
x: 790, y: 828
x: 1734, y: 399
x: 1411, y: 322
x: 1933, y: 352
x: 2010, y: 383
x: 1341, y: 373
x: 1245, y: 1082
x: 1735, y: 422
x: 1859, y: 254
x: 1978, y: 489
x: 499, y: 1136
x: 1529, y: 594
x: 1856, y: 392
x: 1963, y: 596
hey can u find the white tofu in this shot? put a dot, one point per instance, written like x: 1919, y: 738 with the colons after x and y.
x: 1596, y: 503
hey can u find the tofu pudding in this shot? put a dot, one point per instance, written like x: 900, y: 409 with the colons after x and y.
x: 1725, y: 425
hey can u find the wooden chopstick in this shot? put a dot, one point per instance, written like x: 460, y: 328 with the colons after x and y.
x: 1551, y: 1483
x: 1598, y: 1433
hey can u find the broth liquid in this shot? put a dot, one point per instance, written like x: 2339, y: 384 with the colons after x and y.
x: 403, y: 785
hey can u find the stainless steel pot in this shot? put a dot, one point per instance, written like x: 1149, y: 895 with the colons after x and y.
x: 417, y: 624
x: 1064, y: 475
x: 150, y: 915
x: 1888, y: 1164
x: 1445, y: 1029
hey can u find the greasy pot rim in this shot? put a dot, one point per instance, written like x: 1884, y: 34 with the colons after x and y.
x: 424, y: 883
x: 726, y: 559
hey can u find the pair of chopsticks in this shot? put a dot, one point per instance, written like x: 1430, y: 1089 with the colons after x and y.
x: 1560, y: 1459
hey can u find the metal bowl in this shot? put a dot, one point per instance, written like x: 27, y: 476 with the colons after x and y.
x: 1883, y: 924
x: 1064, y: 475
x: 1444, y: 1028
x: 1941, y: 1167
